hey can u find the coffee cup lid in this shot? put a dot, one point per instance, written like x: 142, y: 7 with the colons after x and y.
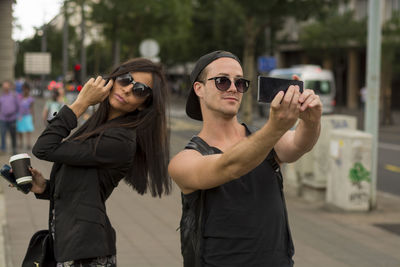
x: 19, y: 156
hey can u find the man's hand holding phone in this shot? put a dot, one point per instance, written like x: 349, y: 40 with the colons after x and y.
x: 311, y: 106
x: 269, y: 87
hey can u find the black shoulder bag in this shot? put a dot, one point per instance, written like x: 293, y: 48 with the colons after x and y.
x: 191, y: 225
x: 40, y: 251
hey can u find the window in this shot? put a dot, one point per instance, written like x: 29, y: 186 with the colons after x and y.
x: 319, y: 87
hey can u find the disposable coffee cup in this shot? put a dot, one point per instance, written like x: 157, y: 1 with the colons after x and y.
x: 20, y: 165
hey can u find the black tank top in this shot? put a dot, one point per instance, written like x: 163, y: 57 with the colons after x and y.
x: 245, y: 221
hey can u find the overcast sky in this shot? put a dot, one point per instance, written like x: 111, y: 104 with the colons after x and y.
x: 33, y: 13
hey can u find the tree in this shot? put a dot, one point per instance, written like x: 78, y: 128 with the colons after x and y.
x: 390, y: 66
x: 126, y: 23
x: 268, y: 14
x: 54, y: 46
x: 335, y: 33
x: 333, y: 39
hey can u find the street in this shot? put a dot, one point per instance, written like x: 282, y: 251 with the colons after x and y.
x: 389, y: 167
x: 147, y: 227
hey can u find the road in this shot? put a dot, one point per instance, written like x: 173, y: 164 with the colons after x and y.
x: 389, y: 167
x: 146, y: 226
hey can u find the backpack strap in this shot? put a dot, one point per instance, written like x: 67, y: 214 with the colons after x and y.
x: 272, y: 156
x: 201, y: 146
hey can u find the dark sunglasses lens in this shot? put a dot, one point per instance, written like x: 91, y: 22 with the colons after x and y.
x: 124, y: 80
x: 222, y: 83
x: 140, y: 90
x: 242, y: 85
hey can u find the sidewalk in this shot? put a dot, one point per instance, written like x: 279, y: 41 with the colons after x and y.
x: 146, y: 227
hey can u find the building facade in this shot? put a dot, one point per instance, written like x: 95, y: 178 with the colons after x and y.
x: 7, y: 51
x: 349, y: 66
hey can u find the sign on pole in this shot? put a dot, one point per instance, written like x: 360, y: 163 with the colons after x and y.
x: 149, y: 48
x: 266, y: 64
x: 37, y: 63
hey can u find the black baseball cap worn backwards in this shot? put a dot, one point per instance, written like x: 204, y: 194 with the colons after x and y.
x: 192, y: 103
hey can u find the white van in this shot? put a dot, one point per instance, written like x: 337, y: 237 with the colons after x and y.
x: 314, y: 77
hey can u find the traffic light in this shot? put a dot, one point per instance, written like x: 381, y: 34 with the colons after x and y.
x: 77, y: 73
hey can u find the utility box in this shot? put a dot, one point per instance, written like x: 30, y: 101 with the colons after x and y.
x: 349, y: 176
x: 319, y: 153
x: 312, y: 169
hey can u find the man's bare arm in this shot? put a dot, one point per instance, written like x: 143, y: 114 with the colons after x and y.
x: 192, y: 171
x: 294, y: 144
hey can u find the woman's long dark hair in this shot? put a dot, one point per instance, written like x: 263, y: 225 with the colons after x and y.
x: 149, y: 165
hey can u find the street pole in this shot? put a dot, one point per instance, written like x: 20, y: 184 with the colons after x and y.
x: 43, y: 48
x: 83, y: 49
x: 371, y: 121
x: 65, y: 41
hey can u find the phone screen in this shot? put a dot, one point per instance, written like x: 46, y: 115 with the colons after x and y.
x: 268, y: 87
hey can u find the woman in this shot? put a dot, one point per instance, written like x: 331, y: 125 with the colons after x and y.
x: 25, y: 118
x: 126, y: 138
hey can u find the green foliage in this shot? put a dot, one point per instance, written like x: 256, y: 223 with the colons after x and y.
x: 335, y: 32
x: 217, y: 25
x: 54, y: 46
x: 130, y: 22
x: 185, y: 29
x: 391, y: 41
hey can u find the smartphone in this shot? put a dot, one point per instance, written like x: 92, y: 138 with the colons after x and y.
x: 268, y: 87
x: 9, y: 176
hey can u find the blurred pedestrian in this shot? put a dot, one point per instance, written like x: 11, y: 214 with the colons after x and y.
x: 52, y: 105
x: 233, y: 172
x: 126, y: 138
x: 25, y: 124
x: 61, y: 95
x: 9, y: 108
x: 363, y: 96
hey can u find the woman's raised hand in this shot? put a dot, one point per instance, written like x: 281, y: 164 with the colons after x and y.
x: 95, y: 91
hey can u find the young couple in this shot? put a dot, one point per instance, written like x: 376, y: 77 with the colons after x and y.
x: 126, y: 138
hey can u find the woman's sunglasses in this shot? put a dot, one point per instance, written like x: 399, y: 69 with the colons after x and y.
x: 139, y: 89
x: 223, y: 83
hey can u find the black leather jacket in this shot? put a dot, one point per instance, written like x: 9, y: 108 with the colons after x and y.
x: 81, y: 180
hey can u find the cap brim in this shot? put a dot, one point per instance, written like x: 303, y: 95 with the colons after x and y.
x: 193, y: 109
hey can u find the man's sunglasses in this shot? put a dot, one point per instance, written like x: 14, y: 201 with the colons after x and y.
x: 139, y: 89
x: 223, y: 83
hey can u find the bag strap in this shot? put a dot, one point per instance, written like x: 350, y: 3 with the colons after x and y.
x: 272, y: 157
x: 201, y: 146
x: 275, y: 165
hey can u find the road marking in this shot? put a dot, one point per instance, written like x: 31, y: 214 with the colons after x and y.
x: 392, y: 168
x: 389, y: 146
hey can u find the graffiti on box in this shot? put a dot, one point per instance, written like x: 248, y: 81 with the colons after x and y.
x: 357, y: 174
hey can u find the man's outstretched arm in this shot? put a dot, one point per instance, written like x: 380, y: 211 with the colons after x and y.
x: 192, y: 171
x: 294, y: 144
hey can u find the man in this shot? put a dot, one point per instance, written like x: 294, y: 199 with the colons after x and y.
x: 9, y: 107
x: 245, y: 220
